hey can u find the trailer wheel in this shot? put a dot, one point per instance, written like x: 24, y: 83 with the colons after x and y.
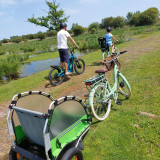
x: 12, y: 155
x: 73, y: 154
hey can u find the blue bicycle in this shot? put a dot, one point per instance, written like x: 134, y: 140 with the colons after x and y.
x: 57, y: 74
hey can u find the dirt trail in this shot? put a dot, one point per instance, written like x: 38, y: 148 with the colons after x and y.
x: 75, y: 86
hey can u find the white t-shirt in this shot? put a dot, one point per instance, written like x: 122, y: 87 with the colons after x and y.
x: 62, y: 36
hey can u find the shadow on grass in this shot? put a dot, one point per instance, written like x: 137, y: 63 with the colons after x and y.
x: 49, y: 85
x: 96, y: 64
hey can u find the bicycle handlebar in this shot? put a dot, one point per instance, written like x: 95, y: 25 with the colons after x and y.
x: 116, y: 56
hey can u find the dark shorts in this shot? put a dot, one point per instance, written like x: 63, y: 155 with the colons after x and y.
x: 63, y: 54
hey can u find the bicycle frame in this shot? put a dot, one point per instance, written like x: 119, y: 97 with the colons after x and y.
x: 71, y: 61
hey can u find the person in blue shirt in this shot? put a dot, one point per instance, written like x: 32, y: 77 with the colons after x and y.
x: 109, y: 38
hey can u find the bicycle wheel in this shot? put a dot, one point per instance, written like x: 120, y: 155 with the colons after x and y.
x: 116, y: 50
x: 99, y: 105
x: 73, y: 154
x: 54, y: 77
x: 124, y: 86
x: 79, y: 66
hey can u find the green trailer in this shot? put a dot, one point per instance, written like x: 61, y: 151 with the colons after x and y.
x: 53, y: 131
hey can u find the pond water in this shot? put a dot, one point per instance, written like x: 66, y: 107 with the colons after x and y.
x: 28, y: 69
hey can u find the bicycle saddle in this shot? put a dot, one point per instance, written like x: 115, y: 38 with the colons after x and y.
x: 102, y: 70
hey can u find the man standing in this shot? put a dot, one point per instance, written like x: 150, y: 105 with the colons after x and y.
x: 62, y: 37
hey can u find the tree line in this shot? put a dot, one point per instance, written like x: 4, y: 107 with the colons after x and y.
x: 56, y: 16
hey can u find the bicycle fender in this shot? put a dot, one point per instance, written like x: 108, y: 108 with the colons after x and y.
x: 125, y: 80
x: 55, y: 67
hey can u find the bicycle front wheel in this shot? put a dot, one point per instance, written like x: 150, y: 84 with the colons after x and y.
x: 79, y: 66
x: 124, y: 86
x: 99, y: 104
x: 54, y: 76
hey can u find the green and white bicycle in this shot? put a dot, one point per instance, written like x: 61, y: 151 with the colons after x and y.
x: 101, y: 92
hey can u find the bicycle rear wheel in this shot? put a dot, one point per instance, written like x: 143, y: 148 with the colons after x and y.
x: 54, y: 76
x: 79, y: 66
x: 99, y: 105
x: 124, y: 86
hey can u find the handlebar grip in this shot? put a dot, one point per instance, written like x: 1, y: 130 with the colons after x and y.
x: 123, y: 52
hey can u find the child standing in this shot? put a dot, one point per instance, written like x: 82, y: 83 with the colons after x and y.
x: 109, y: 38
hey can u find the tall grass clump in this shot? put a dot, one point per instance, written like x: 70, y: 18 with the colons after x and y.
x: 10, y: 65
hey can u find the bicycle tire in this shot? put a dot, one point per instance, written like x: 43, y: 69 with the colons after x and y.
x: 52, y: 77
x: 96, y: 95
x: 73, y: 153
x: 77, y: 66
x: 12, y: 155
x: 124, y: 86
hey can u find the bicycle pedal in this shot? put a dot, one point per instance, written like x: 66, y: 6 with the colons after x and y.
x: 119, y: 102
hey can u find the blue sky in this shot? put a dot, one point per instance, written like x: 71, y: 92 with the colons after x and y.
x: 14, y: 13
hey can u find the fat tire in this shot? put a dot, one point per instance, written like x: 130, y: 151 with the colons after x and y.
x: 75, y: 66
x: 12, y: 155
x: 71, y: 152
x: 51, y: 80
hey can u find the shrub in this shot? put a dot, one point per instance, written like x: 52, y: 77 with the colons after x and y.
x: 5, y: 40
x: 70, y: 31
x: 16, y: 39
x: 149, y: 17
x: 118, y: 22
x: 41, y: 36
x: 93, y: 30
x: 51, y: 33
x: 0, y: 43
x: 2, y: 52
x: 77, y: 30
x: 94, y: 25
x: 106, y: 22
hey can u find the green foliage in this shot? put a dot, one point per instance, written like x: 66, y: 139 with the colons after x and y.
x: 54, y: 18
x: 2, y: 52
x: 10, y: 65
x: 94, y: 25
x: 41, y: 35
x: 106, y: 22
x: 118, y: 22
x: 51, y: 33
x: 70, y: 31
x: 129, y: 16
x: 77, y: 30
x: 5, y: 40
x: 16, y: 39
x: 112, y: 22
x: 93, y: 30
x: 73, y: 25
x: 0, y: 43
x: 148, y: 17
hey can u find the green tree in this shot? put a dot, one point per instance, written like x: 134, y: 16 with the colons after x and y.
x: 129, y: 16
x: 53, y: 19
x: 73, y: 25
x: 106, y: 22
x: 41, y: 35
x: 149, y: 17
x: 77, y: 30
x: 94, y: 25
x: 135, y: 19
x: 118, y: 22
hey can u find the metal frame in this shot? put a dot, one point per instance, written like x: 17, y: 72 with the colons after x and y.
x: 46, y: 135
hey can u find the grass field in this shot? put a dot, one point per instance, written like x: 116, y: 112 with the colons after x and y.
x: 132, y: 130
